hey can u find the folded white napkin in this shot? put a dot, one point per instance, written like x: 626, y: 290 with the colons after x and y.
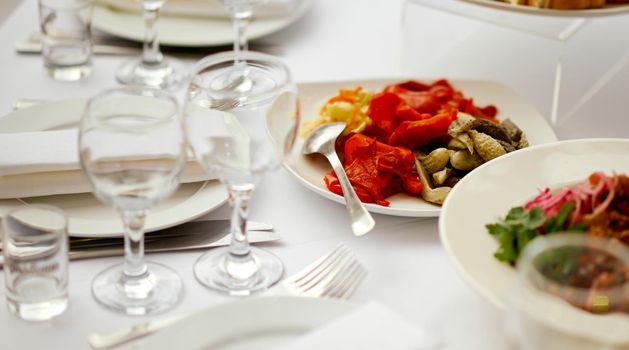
x: 371, y: 327
x: 204, y: 8
x: 42, y: 163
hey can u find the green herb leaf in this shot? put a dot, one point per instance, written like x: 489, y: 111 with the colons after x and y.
x: 515, y: 231
x: 536, y: 218
x: 558, y: 223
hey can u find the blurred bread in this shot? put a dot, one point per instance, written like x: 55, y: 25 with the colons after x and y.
x: 564, y: 4
x: 575, y: 4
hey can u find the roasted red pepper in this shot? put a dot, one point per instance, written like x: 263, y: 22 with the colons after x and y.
x: 438, y: 97
x: 416, y: 134
x: 376, y: 170
x: 382, y: 111
x: 407, y: 113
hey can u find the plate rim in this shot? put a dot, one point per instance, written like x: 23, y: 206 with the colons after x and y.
x: 253, y: 32
x: 216, y: 313
x: 204, y: 187
x: 485, y: 291
x: 374, y: 208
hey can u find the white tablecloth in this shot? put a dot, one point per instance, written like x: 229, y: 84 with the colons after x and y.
x: 408, y: 268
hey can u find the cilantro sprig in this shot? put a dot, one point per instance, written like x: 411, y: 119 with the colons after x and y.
x: 520, y: 227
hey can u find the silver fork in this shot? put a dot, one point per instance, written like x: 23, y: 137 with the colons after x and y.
x: 334, y: 275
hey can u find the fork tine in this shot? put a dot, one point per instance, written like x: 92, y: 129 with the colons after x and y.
x: 354, y: 283
x: 334, y: 284
x: 322, y: 278
x: 338, y: 285
x: 313, y: 266
x: 312, y: 271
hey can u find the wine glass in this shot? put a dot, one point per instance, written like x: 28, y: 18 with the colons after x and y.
x: 132, y: 149
x: 152, y: 68
x: 238, y: 137
x: 572, y: 292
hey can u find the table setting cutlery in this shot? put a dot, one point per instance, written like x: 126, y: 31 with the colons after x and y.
x: 323, y: 140
x: 337, y: 274
x: 110, y: 45
x: 189, y: 236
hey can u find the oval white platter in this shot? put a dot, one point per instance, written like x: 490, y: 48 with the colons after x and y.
x: 310, y: 170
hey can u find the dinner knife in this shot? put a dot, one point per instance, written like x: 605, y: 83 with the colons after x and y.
x: 188, y: 236
x: 203, y: 227
x: 171, y: 244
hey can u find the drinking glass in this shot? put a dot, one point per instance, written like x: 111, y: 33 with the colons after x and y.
x: 132, y: 149
x: 572, y: 292
x: 152, y: 68
x: 65, y: 26
x: 35, y: 249
x: 238, y: 137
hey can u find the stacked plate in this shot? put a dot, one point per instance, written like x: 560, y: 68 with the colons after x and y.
x: 87, y: 217
x: 191, y: 23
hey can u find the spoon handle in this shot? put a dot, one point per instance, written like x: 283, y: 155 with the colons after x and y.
x: 361, y: 220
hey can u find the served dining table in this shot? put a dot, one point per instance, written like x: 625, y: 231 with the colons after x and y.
x: 408, y: 269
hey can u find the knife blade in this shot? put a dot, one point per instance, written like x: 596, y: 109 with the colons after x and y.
x: 172, y: 244
x: 188, y: 228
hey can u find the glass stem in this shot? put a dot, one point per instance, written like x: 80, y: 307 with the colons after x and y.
x: 239, y: 262
x: 151, y: 56
x: 134, y: 265
x: 241, y: 17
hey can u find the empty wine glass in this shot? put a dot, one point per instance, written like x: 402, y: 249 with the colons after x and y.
x: 132, y: 149
x: 238, y: 137
x: 152, y: 68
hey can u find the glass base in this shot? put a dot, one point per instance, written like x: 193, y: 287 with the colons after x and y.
x: 156, y: 291
x: 168, y: 75
x: 238, y: 276
x: 69, y: 73
x: 38, y: 311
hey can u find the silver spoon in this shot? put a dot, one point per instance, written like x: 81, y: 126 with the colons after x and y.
x: 322, y: 140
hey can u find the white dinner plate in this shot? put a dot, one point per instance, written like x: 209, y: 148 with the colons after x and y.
x: 594, y: 12
x: 189, y: 31
x: 87, y: 217
x: 487, y: 194
x: 277, y: 321
x: 310, y: 170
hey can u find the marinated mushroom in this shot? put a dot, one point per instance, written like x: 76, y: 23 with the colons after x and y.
x: 430, y: 194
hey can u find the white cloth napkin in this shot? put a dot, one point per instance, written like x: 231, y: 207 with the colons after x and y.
x: 42, y: 163
x: 204, y: 8
x: 370, y: 327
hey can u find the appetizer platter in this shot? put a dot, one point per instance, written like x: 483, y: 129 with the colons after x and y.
x: 408, y: 142
x: 576, y: 185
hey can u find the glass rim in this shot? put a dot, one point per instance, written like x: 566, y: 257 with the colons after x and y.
x: 138, y: 91
x: 524, y: 265
x: 47, y: 207
x: 229, y: 56
x: 67, y: 6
